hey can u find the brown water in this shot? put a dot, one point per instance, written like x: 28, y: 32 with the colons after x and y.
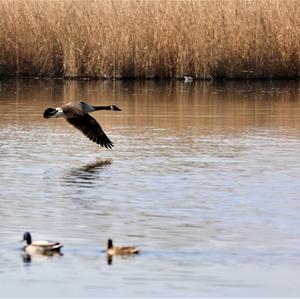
x: 204, y: 178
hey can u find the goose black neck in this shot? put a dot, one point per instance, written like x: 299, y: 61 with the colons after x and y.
x: 109, y: 244
x: 27, y: 238
x: 28, y: 241
x: 102, y: 108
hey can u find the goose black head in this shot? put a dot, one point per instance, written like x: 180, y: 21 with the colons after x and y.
x: 50, y: 112
x: 109, y: 244
x: 27, y: 238
x: 114, y: 108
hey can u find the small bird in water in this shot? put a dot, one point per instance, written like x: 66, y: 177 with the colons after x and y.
x: 188, y: 79
x: 77, y: 114
x: 114, y: 250
x: 40, y: 247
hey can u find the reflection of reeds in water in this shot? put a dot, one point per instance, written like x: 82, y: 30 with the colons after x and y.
x: 154, y: 38
x: 86, y: 173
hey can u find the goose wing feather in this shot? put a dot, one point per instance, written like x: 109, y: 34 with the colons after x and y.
x: 125, y: 250
x: 90, y: 128
x: 45, y: 244
x: 130, y: 249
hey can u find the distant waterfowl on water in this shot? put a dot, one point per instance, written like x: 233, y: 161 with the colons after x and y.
x: 40, y: 247
x: 188, y: 79
x: 114, y: 250
x: 77, y: 114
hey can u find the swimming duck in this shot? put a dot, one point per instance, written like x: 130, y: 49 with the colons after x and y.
x: 40, y: 247
x: 188, y: 79
x: 77, y: 114
x: 113, y: 250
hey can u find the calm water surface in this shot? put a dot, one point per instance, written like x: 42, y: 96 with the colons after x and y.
x: 204, y: 178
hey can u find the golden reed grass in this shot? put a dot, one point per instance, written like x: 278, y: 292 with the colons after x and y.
x: 150, y: 38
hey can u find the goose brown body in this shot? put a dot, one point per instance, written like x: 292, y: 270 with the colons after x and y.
x: 116, y: 250
x: 40, y: 247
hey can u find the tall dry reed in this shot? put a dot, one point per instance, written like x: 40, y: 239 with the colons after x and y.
x: 150, y: 38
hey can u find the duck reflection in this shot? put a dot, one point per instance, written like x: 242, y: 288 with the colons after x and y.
x: 109, y: 259
x: 86, y: 174
x: 28, y: 258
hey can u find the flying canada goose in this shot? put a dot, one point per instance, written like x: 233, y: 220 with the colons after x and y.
x: 77, y: 114
x: 40, y: 247
x: 113, y: 250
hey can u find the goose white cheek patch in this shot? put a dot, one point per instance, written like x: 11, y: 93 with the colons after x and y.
x: 59, y: 113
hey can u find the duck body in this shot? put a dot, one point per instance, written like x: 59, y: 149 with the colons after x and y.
x: 188, y: 79
x: 40, y: 247
x: 115, y: 250
x: 77, y: 114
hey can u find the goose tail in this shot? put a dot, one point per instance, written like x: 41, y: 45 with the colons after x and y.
x: 135, y: 250
x: 57, y: 246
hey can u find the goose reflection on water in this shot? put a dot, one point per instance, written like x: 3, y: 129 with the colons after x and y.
x: 28, y: 258
x: 110, y: 258
x: 86, y: 174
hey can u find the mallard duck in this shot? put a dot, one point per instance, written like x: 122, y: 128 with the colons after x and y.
x: 40, y: 247
x: 77, y: 114
x: 113, y: 250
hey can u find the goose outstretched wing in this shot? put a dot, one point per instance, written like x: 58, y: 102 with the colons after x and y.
x: 90, y: 128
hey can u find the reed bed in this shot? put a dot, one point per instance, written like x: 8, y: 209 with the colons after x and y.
x: 150, y: 38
